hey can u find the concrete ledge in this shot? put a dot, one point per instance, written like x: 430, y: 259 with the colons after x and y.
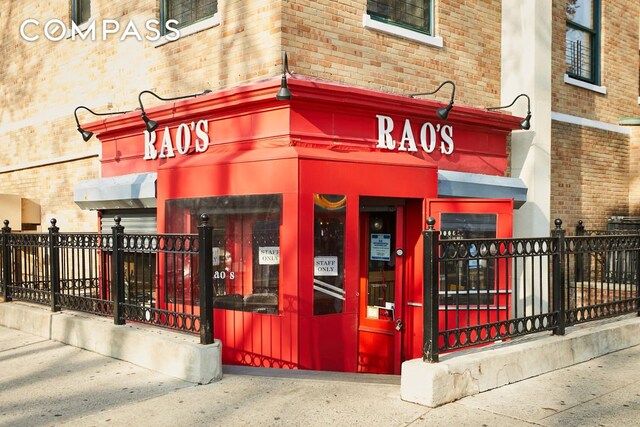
x: 171, y: 353
x: 33, y: 319
x: 470, y: 372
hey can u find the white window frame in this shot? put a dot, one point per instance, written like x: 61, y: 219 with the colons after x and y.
x: 373, y: 24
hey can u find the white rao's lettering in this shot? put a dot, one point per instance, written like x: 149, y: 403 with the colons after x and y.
x: 180, y: 144
x: 430, y: 137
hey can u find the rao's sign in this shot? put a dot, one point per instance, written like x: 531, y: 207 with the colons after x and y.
x: 192, y: 138
x: 430, y: 137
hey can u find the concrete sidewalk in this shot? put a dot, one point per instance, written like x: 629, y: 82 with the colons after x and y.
x: 44, y: 382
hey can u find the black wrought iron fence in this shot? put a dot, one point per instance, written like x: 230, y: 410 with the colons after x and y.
x: 476, y: 291
x: 148, y: 278
x: 479, y: 291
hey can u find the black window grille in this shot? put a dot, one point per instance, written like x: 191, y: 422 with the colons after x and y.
x: 187, y: 12
x: 582, y: 39
x: 412, y: 14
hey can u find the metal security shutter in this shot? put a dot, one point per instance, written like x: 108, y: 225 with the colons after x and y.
x: 133, y: 220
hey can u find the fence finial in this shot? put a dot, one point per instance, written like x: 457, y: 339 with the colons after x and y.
x: 53, y: 222
x: 117, y: 219
x: 204, y: 219
x: 6, y: 223
x: 558, y: 223
x: 431, y: 222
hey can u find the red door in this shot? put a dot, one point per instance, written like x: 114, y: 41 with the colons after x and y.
x: 381, y: 290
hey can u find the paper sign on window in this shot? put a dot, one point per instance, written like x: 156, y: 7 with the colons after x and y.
x: 269, y: 255
x: 380, y: 247
x: 215, y: 255
x: 325, y: 266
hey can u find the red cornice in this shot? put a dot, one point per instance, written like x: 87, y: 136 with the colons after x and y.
x: 306, y: 92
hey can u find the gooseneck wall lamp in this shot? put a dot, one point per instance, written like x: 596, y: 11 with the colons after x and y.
x: 86, y: 135
x: 442, y: 112
x: 152, y: 125
x: 284, y: 94
x: 526, y: 122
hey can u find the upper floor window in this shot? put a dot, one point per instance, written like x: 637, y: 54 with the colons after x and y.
x: 415, y: 15
x: 187, y: 12
x: 583, y: 40
x: 80, y: 11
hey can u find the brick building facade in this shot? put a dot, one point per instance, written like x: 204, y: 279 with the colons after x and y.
x: 576, y: 159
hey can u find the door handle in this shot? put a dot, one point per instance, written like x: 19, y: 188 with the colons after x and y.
x: 399, y: 324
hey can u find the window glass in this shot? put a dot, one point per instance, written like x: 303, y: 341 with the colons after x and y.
x: 582, y: 40
x: 80, y: 11
x: 414, y: 14
x: 579, y: 53
x: 187, y: 12
x: 246, y: 247
x: 580, y: 12
x: 472, y: 280
x: 328, y: 253
x: 381, y: 276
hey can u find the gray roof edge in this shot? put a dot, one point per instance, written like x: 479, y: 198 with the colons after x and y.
x: 119, y: 192
x: 465, y: 184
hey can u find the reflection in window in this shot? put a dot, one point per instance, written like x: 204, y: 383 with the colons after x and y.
x: 246, y: 247
x: 80, y: 11
x: 582, y: 39
x: 328, y: 253
x: 188, y: 12
x: 470, y: 281
x: 381, y: 266
x: 411, y: 14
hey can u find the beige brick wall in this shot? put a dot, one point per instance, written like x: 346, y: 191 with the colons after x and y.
x: 51, y: 187
x: 634, y: 171
x: 619, y: 71
x: 589, y: 175
x: 326, y: 39
x: 42, y: 82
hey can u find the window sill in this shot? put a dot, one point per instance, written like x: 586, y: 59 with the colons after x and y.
x: 585, y: 85
x: 205, y: 24
x: 372, y: 24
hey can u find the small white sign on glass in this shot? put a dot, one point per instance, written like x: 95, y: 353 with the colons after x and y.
x: 325, y: 266
x: 380, y: 247
x: 269, y: 255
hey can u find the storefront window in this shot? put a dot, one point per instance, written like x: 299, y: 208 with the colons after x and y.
x: 471, y: 281
x: 246, y: 247
x: 328, y: 253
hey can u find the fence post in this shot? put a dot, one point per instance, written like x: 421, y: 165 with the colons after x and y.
x: 117, y: 273
x: 579, y: 261
x: 431, y: 288
x: 54, y: 265
x: 6, y: 261
x: 205, y: 279
x: 559, y: 285
x: 637, y: 271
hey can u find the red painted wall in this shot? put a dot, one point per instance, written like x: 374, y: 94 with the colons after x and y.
x: 327, y: 139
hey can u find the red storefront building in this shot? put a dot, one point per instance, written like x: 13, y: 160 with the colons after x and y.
x: 317, y: 205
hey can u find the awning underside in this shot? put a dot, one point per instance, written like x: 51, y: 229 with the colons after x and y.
x: 120, y: 192
x: 463, y: 184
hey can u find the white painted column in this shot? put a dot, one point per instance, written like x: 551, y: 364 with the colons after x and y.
x: 526, y: 68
